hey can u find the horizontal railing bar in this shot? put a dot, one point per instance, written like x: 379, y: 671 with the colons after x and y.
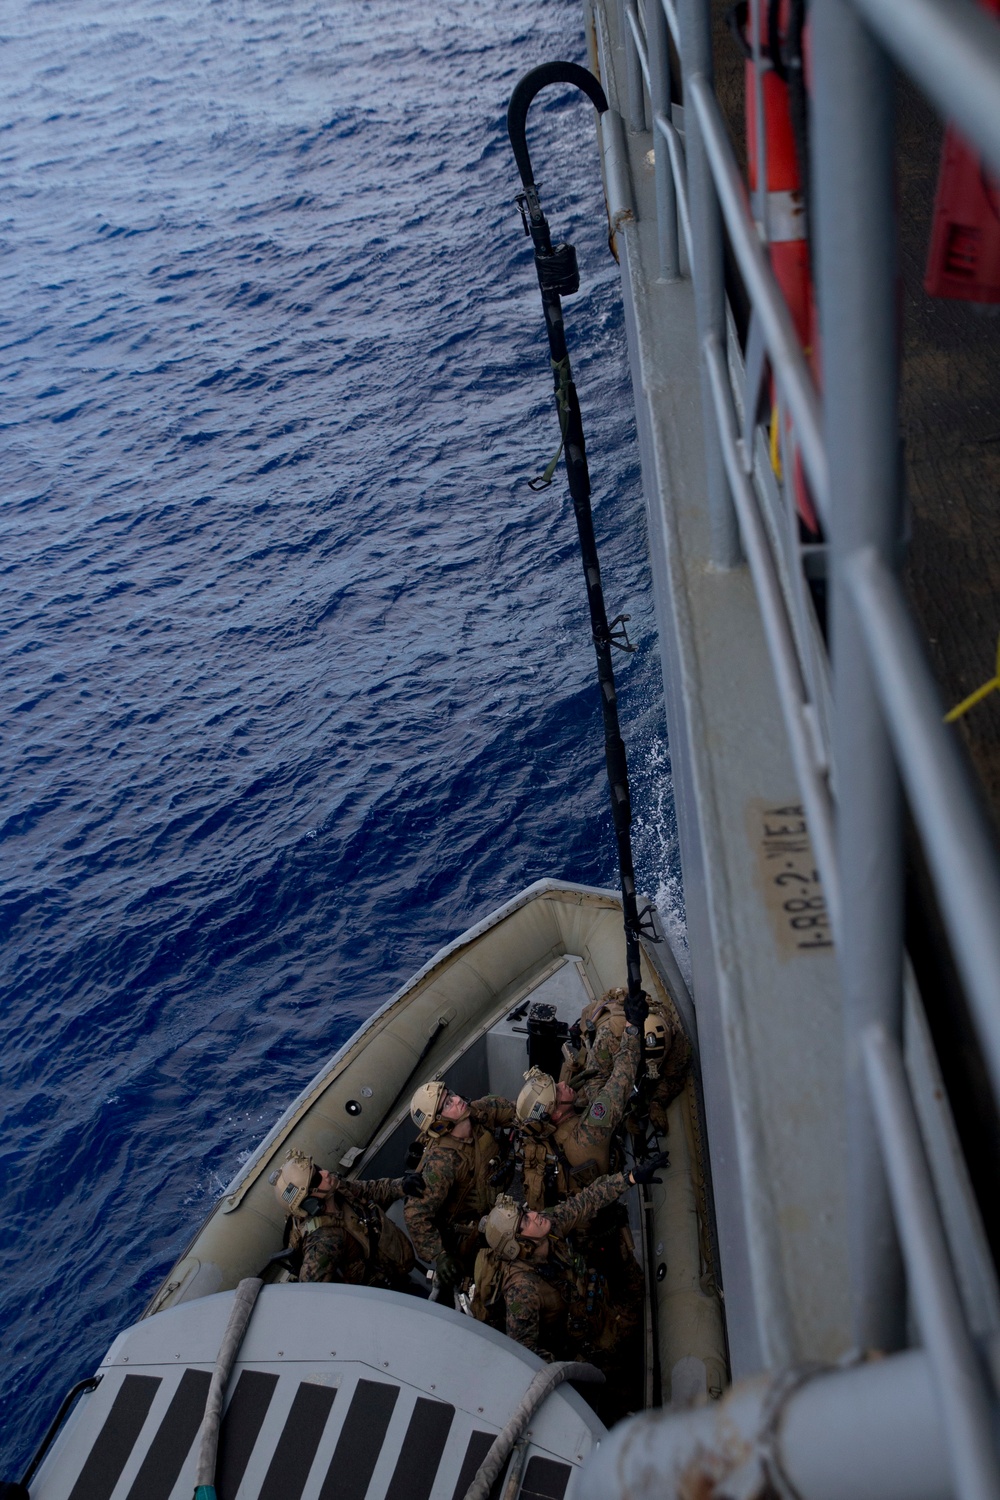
x: 778, y: 632
x: 952, y: 50
x: 957, y: 1375
x: 632, y: 16
x: 677, y: 165
x: 675, y: 27
x: 776, y: 321
x: 961, y: 858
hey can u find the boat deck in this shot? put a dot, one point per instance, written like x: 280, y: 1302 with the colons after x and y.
x: 328, y: 1399
x: 353, y: 1392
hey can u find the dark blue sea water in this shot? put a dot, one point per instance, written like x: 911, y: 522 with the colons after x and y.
x: 297, y: 676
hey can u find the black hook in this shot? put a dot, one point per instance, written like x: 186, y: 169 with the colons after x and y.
x: 524, y: 92
x: 559, y: 277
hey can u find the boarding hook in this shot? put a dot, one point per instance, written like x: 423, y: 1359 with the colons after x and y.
x: 558, y: 276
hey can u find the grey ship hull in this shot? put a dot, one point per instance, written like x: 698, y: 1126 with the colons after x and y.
x: 800, y: 706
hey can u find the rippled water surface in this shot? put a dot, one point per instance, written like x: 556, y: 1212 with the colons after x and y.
x: 297, y: 676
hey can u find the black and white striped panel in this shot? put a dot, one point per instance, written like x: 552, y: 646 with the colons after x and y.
x: 285, y: 1438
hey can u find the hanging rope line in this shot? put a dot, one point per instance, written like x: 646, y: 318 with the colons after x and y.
x: 558, y: 277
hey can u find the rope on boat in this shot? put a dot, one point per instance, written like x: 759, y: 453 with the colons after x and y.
x: 544, y: 1383
x: 239, y: 1317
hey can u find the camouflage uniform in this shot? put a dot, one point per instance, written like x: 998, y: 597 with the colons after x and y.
x: 568, y: 1156
x: 458, y: 1188
x: 557, y: 1307
x: 658, y: 1093
x: 577, y: 1069
x: 351, y: 1239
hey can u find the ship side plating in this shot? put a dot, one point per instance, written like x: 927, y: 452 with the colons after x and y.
x: 800, y: 706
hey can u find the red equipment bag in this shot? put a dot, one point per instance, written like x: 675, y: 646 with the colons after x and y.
x: 963, y: 259
x: 784, y: 208
x: 785, y: 215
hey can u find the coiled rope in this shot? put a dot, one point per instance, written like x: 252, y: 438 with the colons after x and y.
x: 544, y: 1383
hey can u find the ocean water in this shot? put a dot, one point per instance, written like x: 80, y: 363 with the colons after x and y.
x: 297, y: 674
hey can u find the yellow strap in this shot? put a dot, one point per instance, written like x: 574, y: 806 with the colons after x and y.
x: 978, y: 695
x: 561, y: 368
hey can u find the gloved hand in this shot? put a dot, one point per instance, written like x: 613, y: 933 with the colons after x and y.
x: 637, y: 1010
x: 643, y: 1171
x: 413, y: 1184
x: 575, y: 1036
x: 448, y: 1272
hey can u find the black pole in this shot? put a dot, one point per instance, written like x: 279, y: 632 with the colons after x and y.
x: 557, y: 277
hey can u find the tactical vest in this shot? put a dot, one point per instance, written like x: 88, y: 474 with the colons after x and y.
x: 580, y: 1069
x: 599, y: 1011
x: 557, y: 1291
x: 587, y: 1159
x: 376, y: 1248
x: 572, y: 1310
x: 600, y: 1015
x: 487, y: 1281
x: 611, y: 1023
x: 473, y: 1194
x: 544, y: 1170
x: 555, y: 1163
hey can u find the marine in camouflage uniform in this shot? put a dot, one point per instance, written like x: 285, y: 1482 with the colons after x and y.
x: 658, y: 1092
x: 555, y: 1304
x: 341, y: 1227
x: 351, y: 1239
x: 458, y: 1186
x: 577, y: 1147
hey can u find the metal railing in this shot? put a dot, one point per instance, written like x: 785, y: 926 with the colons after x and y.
x: 887, y: 734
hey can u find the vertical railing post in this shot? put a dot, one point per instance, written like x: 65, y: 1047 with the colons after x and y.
x: 635, y: 97
x: 852, y: 146
x: 666, y: 197
x: 694, y: 19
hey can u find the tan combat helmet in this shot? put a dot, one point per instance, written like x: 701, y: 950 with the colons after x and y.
x: 537, y: 1098
x: 501, y: 1226
x: 291, y: 1180
x: 426, y: 1104
x: 654, y: 1043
